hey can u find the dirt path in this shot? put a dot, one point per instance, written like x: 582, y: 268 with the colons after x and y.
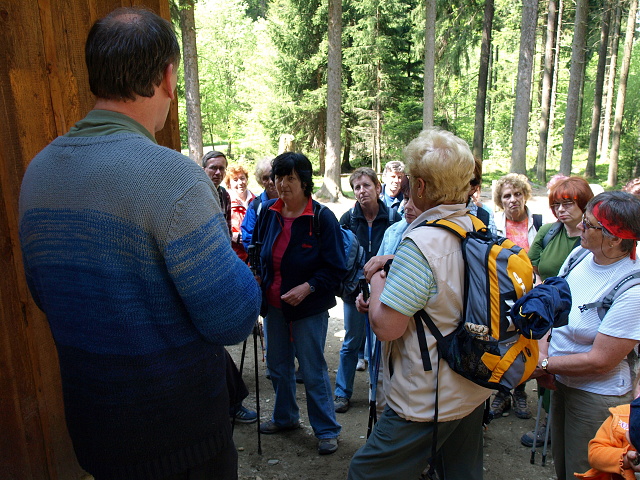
x: 293, y: 455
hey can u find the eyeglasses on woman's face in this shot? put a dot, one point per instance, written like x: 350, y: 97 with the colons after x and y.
x: 588, y: 225
x: 566, y: 204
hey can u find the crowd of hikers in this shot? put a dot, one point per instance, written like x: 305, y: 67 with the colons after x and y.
x: 139, y: 259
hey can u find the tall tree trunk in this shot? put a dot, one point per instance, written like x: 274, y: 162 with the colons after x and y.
x: 331, y: 187
x: 191, y: 82
x: 590, y: 171
x: 576, y: 78
x: 523, y: 87
x: 611, y: 85
x: 483, y: 77
x: 622, y: 94
x: 429, y: 64
x: 556, y: 72
x: 346, y: 151
x: 547, y: 84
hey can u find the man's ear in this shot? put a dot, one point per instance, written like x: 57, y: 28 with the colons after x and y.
x: 170, y: 80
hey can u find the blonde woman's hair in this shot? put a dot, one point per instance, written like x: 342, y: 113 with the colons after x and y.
x: 444, y: 162
x: 514, y: 180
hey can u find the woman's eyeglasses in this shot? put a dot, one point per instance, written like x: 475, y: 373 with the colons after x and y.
x: 586, y: 224
x: 567, y: 204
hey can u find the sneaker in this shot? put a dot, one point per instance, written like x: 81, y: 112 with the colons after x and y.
x: 527, y: 438
x: 520, y: 407
x: 341, y: 404
x: 243, y: 415
x: 327, y: 446
x: 362, y: 365
x: 500, y: 405
x: 270, y: 427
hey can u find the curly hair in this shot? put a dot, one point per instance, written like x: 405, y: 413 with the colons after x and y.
x: 514, y: 180
x: 235, y: 171
x: 444, y: 162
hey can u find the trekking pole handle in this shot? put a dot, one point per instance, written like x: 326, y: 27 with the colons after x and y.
x: 364, y: 288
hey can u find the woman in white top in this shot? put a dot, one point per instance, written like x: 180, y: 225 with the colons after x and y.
x: 586, y: 360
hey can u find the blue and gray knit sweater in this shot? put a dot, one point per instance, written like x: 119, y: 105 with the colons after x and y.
x: 126, y: 251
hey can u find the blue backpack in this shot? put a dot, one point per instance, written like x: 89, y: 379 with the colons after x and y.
x: 354, y: 256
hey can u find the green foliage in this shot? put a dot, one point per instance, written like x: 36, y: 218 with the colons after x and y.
x: 263, y: 66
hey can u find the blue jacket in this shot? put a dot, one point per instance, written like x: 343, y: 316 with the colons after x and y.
x: 312, y: 256
x: 249, y: 222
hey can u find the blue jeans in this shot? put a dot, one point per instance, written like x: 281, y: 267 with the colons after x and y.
x: 354, y: 326
x: 304, y: 339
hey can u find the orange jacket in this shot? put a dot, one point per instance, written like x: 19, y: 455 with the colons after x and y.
x: 608, y: 448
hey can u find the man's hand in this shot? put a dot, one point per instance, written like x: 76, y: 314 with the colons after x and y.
x: 362, y: 305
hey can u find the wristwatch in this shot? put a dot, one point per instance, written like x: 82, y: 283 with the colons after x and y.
x: 544, y: 364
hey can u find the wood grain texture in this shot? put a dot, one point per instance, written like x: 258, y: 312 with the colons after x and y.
x: 43, y: 91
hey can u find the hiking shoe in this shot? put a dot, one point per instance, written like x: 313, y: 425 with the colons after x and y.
x: 270, y: 427
x: 362, y: 365
x: 327, y: 446
x: 500, y: 405
x: 527, y: 438
x: 243, y: 415
x: 520, y: 407
x: 341, y: 404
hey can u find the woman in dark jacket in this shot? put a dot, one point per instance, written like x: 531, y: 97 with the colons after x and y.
x: 302, y: 262
x: 368, y: 219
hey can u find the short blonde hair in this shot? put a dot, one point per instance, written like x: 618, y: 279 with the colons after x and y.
x: 514, y: 180
x: 444, y: 162
x: 235, y: 171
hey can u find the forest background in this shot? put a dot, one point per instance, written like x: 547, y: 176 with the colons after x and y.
x: 535, y: 87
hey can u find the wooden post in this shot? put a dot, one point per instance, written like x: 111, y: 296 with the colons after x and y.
x: 43, y: 92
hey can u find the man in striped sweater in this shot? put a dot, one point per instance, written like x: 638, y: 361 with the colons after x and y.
x: 126, y: 251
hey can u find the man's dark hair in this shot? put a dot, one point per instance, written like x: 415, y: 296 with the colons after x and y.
x: 212, y: 154
x: 127, y: 53
x: 288, y: 162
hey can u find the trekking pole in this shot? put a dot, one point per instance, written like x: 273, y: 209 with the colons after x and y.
x: 254, y: 259
x: 546, y: 432
x: 364, y: 288
x: 535, y: 430
x: 256, y: 334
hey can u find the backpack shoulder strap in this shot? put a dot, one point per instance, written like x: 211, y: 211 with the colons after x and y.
x: 573, y: 261
x: 483, y: 215
x: 537, y: 221
x: 352, y: 222
x: 552, y: 232
x: 448, y: 225
x: 317, y: 209
x: 622, y: 286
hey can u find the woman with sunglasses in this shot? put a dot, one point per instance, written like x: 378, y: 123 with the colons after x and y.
x: 554, y: 241
x: 585, y: 361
